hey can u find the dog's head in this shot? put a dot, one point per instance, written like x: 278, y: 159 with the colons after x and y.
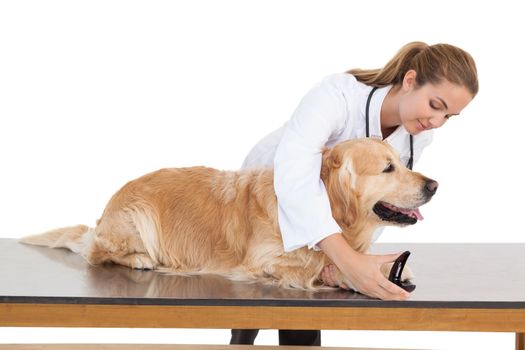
x: 366, y: 180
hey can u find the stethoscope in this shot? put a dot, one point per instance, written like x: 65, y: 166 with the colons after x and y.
x: 411, y: 159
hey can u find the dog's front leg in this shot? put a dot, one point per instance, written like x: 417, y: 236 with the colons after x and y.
x: 333, y: 277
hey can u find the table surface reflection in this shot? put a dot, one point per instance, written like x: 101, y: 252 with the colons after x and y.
x: 447, y: 275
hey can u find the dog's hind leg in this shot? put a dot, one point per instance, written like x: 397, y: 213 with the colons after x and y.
x: 119, y: 239
x: 137, y: 261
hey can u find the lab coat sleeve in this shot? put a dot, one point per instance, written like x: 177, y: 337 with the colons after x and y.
x: 304, y: 212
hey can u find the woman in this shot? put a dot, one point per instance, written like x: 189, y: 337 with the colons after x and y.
x: 418, y: 90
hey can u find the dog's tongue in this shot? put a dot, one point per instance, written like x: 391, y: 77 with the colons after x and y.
x: 410, y: 212
x: 414, y: 213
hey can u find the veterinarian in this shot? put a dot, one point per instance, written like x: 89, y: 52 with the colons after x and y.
x: 418, y: 90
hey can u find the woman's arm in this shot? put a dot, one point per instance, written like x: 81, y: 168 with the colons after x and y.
x: 304, y: 212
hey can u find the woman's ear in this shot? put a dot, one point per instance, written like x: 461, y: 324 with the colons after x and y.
x: 409, y: 80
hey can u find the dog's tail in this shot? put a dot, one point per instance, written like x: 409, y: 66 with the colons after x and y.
x: 75, y: 238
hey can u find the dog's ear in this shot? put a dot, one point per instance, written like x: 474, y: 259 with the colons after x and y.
x: 331, y: 160
x: 341, y: 190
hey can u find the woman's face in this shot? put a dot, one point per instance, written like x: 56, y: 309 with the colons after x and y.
x: 429, y: 106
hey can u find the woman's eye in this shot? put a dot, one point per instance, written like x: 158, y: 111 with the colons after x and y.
x: 389, y: 168
x: 433, y: 105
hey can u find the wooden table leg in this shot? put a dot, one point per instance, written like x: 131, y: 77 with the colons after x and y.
x: 520, y: 341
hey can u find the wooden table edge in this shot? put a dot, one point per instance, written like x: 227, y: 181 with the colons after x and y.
x: 262, y: 317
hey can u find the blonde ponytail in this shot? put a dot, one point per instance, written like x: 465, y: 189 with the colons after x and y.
x: 432, y: 64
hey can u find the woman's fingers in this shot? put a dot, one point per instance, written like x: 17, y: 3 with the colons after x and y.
x: 393, y: 292
x: 389, y: 257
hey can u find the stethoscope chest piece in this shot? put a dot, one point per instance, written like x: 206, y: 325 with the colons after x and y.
x: 397, y: 270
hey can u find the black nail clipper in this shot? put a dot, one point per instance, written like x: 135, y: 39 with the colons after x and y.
x: 397, y: 270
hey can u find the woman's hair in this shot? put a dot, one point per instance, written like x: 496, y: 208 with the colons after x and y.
x: 432, y: 63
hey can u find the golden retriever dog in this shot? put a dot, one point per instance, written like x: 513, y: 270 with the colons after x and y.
x: 199, y: 220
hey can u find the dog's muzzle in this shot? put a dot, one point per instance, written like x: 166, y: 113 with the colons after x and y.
x: 405, y: 216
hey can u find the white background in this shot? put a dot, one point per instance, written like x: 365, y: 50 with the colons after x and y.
x: 95, y: 93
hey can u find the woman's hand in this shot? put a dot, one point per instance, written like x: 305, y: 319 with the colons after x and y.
x: 362, y: 271
x: 366, y: 276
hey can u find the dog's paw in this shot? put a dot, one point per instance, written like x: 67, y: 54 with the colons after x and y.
x: 407, y: 274
x: 142, y: 262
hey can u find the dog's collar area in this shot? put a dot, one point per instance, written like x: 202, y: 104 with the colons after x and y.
x: 391, y: 213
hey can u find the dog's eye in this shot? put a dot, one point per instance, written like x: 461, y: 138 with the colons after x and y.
x: 389, y: 168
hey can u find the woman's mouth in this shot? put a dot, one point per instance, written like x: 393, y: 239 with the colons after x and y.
x: 421, y: 126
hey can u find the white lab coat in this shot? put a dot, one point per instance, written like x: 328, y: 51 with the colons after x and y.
x: 331, y: 112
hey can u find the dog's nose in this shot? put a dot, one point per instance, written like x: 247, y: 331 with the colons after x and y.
x: 431, y: 187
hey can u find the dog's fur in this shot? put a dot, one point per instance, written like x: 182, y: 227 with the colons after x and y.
x: 202, y: 220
